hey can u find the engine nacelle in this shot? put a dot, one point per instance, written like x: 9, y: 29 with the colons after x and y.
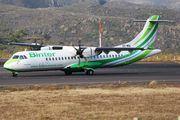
x: 90, y: 52
x: 47, y: 48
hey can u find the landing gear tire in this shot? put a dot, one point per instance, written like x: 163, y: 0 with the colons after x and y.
x: 14, y: 74
x: 68, y: 73
x: 89, y: 72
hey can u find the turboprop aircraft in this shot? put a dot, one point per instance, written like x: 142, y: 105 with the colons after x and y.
x: 86, y: 59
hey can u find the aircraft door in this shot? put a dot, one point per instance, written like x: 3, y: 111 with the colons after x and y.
x: 127, y: 60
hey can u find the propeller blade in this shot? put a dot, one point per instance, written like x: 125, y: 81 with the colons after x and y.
x: 79, y: 42
x: 86, y: 59
x: 75, y: 48
x: 79, y: 61
x: 35, y: 41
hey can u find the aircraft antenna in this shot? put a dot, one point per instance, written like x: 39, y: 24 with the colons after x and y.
x: 100, y: 40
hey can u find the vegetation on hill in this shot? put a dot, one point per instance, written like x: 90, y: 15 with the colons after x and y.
x: 167, y: 3
x: 47, y: 3
x: 39, y: 3
x: 66, y: 24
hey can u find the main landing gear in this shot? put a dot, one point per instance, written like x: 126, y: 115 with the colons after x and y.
x: 15, y: 74
x: 89, y: 72
x: 68, y: 73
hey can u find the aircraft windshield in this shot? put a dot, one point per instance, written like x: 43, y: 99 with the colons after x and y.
x: 15, y: 57
x: 19, y: 57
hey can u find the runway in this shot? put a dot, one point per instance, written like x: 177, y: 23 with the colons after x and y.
x: 137, y: 72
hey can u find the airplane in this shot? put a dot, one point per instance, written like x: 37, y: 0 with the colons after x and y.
x: 86, y: 59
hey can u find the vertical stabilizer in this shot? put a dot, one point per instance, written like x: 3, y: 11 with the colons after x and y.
x: 146, y: 38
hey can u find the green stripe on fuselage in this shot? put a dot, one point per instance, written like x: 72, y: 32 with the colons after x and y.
x: 11, y: 61
x: 148, y: 29
x: 149, y: 37
x: 9, y: 69
x: 96, y: 63
x: 135, y: 59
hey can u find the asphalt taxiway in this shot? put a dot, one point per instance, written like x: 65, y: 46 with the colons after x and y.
x: 136, y: 72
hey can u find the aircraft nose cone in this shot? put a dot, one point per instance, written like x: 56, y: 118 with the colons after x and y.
x: 8, y: 65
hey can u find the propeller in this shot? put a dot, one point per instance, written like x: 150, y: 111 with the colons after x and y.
x: 79, y: 52
x: 42, y: 42
x: 37, y: 46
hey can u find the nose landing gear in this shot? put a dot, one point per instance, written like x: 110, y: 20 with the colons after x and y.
x: 15, y: 74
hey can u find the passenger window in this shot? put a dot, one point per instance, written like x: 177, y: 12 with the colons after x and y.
x: 122, y: 55
x: 49, y: 59
x: 52, y: 58
x: 97, y: 56
x: 15, y: 57
x: 100, y: 56
x: 46, y: 59
x: 113, y: 56
x: 119, y: 56
x: 55, y: 58
x: 103, y: 56
x: 21, y: 57
x: 74, y: 57
x: 62, y: 58
x: 65, y: 58
x: 107, y: 56
x: 110, y: 56
x: 59, y: 58
x: 68, y: 58
x: 71, y: 58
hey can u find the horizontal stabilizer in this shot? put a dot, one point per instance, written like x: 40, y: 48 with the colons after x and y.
x: 170, y: 21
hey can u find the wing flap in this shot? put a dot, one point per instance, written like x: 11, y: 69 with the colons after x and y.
x: 117, y: 49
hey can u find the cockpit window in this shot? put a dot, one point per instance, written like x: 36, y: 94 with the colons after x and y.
x: 25, y: 57
x: 21, y: 57
x: 15, y: 57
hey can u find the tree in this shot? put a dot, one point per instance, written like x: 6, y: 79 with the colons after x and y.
x: 21, y: 34
x: 16, y: 35
x: 1, y: 40
x: 101, y: 2
x: 46, y: 36
x: 21, y: 31
x: 13, y: 39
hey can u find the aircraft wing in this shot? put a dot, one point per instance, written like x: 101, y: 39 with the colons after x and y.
x: 38, y: 46
x: 28, y: 44
x: 118, y: 49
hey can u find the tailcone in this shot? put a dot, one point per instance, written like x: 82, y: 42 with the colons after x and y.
x: 153, y: 52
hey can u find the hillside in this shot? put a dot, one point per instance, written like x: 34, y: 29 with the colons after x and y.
x: 167, y: 3
x: 67, y: 24
x: 124, y: 4
x: 42, y: 3
x: 39, y: 3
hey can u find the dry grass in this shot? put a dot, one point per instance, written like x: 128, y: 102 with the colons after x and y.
x: 163, y: 58
x: 121, y: 103
x: 153, y: 83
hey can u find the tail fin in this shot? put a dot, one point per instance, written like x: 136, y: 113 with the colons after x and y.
x: 146, y: 38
